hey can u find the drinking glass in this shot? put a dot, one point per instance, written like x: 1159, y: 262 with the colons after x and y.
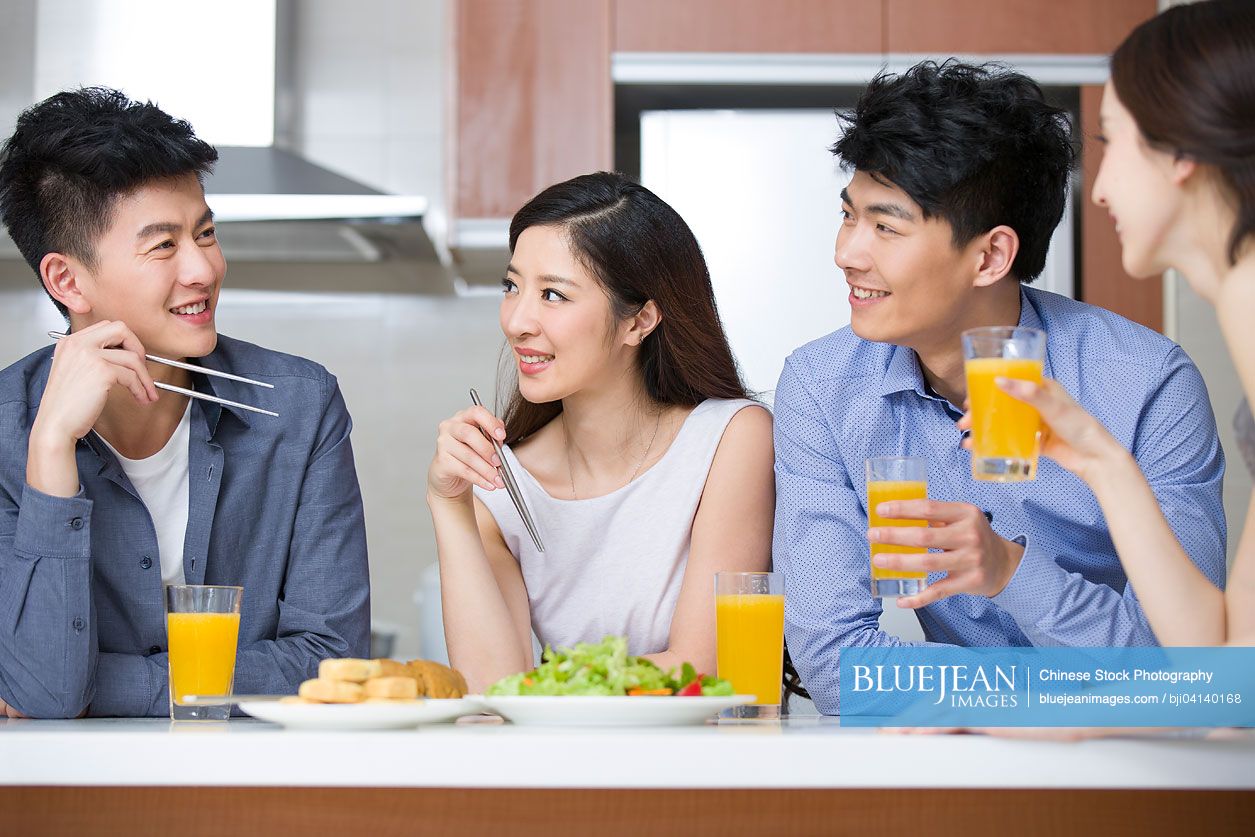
x: 749, y: 609
x: 202, y: 628
x: 895, y: 478
x: 1006, y: 432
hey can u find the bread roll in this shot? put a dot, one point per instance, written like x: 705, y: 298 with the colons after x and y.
x: 391, y: 687
x: 331, y: 691
x: 436, y: 680
x: 393, y: 668
x: 349, y: 670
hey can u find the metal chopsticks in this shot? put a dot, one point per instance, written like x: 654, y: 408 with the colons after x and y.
x: 511, y: 486
x: 191, y: 393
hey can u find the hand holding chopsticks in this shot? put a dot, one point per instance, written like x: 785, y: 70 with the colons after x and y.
x: 511, y: 485
x: 191, y: 393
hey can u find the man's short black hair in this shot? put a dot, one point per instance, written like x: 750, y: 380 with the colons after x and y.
x: 73, y: 155
x: 977, y: 146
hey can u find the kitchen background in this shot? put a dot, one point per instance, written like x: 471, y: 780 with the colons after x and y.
x: 446, y: 115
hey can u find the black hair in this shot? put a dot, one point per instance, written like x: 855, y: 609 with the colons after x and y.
x: 638, y: 249
x: 977, y: 146
x: 1187, y: 77
x: 70, y: 158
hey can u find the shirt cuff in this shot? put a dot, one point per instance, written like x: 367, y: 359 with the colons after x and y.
x: 53, y: 527
x: 1032, y: 594
x: 127, y: 686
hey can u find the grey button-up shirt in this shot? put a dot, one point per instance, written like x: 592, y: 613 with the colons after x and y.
x: 274, y: 507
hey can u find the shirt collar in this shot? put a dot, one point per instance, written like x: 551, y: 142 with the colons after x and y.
x: 903, y: 373
x: 220, y: 387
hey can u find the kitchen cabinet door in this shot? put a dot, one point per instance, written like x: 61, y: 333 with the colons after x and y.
x: 1084, y: 27
x: 815, y: 26
x: 531, y: 100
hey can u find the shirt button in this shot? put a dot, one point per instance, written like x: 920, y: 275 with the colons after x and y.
x: 988, y: 516
x: 76, y: 523
x: 77, y: 623
x: 156, y: 649
x: 145, y: 563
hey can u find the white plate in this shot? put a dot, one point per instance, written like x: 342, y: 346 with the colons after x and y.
x: 646, y: 710
x: 355, y: 716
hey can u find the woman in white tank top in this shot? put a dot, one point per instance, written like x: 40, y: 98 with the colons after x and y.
x: 645, y: 466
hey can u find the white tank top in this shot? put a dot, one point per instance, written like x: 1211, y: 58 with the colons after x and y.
x: 614, y: 564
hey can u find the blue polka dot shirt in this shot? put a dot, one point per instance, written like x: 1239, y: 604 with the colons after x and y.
x: 841, y: 400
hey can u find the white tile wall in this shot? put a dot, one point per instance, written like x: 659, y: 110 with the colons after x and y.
x: 369, y: 92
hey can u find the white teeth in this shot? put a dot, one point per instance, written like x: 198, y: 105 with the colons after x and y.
x: 863, y: 293
x: 190, y: 309
x: 535, y: 358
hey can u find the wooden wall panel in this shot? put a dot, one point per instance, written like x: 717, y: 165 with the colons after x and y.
x: 1103, y: 280
x: 748, y: 26
x: 1009, y: 26
x: 531, y: 100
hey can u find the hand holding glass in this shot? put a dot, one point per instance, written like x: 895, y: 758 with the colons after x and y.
x: 895, y: 478
x: 1006, y: 432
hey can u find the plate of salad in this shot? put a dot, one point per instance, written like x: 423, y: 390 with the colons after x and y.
x: 600, y: 684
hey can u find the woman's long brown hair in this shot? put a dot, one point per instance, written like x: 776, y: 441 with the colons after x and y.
x: 1187, y: 76
x: 638, y: 248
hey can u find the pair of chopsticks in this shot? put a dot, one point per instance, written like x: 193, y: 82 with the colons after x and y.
x: 191, y: 393
x: 507, y: 476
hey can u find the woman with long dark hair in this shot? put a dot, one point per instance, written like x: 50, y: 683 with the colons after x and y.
x: 642, y: 458
x: 1178, y: 177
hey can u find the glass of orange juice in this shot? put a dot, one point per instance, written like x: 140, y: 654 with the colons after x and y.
x: 895, y: 478
x: 202, y: 628
x: 1006, y: 432
x: 749, y: 623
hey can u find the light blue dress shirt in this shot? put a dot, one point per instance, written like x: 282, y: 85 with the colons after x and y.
x: 842, y: 399
x: 274, y: 506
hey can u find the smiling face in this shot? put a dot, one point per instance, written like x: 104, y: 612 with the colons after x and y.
x: 1137, y: 185
x: 558, y: 321
x: 158, y: 269
x: 909, y: 284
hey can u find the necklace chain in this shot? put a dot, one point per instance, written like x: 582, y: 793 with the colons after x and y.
x: 571, y: 468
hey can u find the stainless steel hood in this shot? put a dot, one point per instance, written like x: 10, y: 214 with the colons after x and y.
x: 270, y: 184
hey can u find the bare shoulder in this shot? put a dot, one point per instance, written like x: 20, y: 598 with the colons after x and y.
x: 749, y: 429
x: 746, y: 446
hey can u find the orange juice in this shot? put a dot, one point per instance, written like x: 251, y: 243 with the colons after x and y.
x: 883, y: 491
x: 1004, y: 429
x: 202, y: 652
x: 750, y: 643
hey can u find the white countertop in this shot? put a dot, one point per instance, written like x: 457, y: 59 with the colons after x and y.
x: 800, y: 753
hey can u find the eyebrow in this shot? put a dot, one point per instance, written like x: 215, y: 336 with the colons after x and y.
x: 545, y: 277
x: 891, y: 209
x: 168, y: 227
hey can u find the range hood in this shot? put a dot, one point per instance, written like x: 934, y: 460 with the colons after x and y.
x: 274, y: 206
x: 270, y: 184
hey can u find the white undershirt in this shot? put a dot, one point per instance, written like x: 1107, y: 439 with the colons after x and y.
x: 162, y: 483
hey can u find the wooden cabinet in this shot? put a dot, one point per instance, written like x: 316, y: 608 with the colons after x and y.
x: 797, y: 26
x: 532, y: 97
x: 531, y: 100
x: 1084, y: 27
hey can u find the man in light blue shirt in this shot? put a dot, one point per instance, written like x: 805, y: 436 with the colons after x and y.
x: 108, y: 489
x: 960, y: 178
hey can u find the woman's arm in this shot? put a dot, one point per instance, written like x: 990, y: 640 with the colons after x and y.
x: 1233, y: 307
x: 731, y: 532
x: 483, y: 599
x: 1182, y: 605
